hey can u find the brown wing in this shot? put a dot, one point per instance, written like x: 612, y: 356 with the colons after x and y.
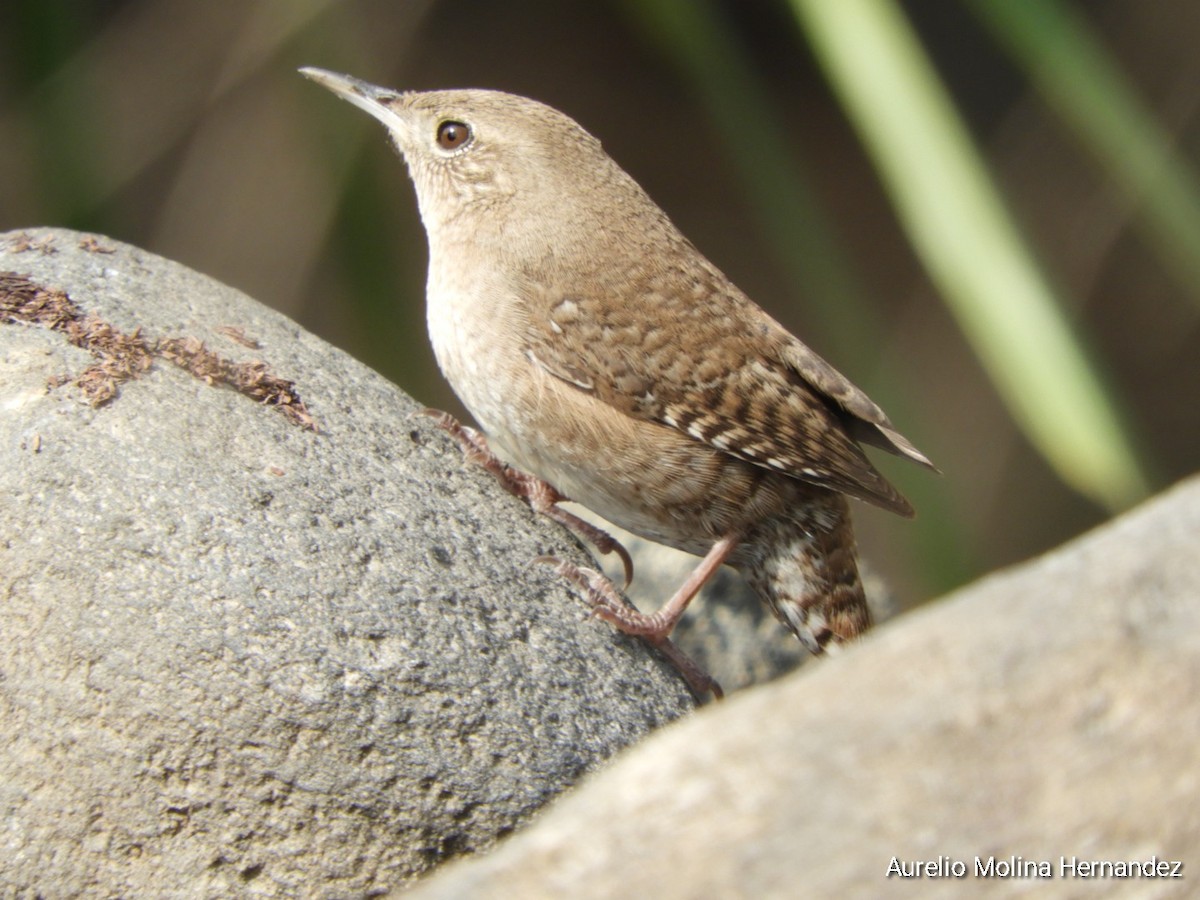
x: 688, y: 350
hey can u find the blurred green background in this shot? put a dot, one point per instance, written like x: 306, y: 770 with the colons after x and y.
x: 985, y: 212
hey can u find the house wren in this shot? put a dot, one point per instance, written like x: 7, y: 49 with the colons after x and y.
x: 600, y: 351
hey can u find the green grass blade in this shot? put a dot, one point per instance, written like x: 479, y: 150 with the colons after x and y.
x: 968, y: 243
x: 1066, y: 62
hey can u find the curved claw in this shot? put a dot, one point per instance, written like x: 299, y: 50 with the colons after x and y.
x: 698, y: 680
x: 626, y: 561
x: 584, y: 578
x: 546, y: 561
x: 599, y: 591
x: 604, y: 542
x: 430, y: 412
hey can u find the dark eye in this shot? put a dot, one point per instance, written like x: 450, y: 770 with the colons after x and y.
x: 451, y: 135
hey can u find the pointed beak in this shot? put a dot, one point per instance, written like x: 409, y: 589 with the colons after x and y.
x: 368, y: 97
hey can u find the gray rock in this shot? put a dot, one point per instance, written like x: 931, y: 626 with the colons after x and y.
x: 1048, y: 712
x: 243, y: 657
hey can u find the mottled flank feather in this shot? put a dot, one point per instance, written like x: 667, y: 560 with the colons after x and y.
x: 710, y: 363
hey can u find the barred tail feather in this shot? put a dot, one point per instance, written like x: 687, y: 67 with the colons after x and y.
x: 803, y: 567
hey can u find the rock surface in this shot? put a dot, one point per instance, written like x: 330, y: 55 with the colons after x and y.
x: 1048, y: 712
x: 243, y: 657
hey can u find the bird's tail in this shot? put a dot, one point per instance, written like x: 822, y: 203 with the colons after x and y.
x: 802, y: 563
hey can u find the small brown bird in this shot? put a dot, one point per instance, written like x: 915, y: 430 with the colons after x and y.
x: 600, y: 351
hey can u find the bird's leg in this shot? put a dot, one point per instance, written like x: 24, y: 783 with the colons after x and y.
x: 542, y: 497
x: 658, y: 625
x: 654, y: 628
